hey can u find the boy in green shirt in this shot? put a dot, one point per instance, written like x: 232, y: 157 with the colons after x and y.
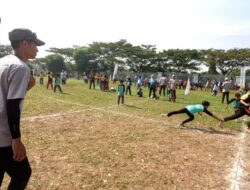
x: 121, y: 90
x: 236, y: 102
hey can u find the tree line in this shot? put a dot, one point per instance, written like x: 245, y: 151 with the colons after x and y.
x: 102, y: 57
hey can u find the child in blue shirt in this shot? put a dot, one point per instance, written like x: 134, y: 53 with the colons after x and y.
x: 121, y: 90
x: 191, y: 110
x: 57, y: 83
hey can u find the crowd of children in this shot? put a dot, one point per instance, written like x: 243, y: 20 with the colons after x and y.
x: 59, y: 79
x: 240, y: 103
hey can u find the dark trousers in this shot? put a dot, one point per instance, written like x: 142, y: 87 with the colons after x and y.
x: 238, y: 114
x: 163, y: 87
x: 58, y: 87
x: 128, y: 89
x: 152, y: 90
x: 223, y: 96
x: 119, y: 97
x: 184, y: 110
x: 92, y: 82
x: 63, y: 81
x: 19, y: 172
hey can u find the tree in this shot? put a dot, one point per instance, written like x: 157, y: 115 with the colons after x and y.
x: 67, y: 53
x: 227, y: 61
x: 82, y: 60
x: 5, y: 50
x: 181, y: 60
x: 209, y: 57
x: 141, y: 58
x: 106, y: 55
x: 55, y: 63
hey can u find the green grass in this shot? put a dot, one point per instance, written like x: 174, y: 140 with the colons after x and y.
x: 77, y: 96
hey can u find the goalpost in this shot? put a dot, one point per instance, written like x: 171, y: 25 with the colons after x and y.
x: 243, y: 76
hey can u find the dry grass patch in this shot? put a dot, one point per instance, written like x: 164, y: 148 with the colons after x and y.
x: 98, y: 150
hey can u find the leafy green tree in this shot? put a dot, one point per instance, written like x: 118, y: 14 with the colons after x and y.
x: 181, y: 60
x: 5, y: 50
x: 141, y: 58
x: 209, y: 58
x: 106, y: 55
x: 229, y: 60
x: 82, y: 60
x: 67, y: 53
x: 55, y: 63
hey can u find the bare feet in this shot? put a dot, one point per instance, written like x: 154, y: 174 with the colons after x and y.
x: 248, y: 129
x: 182, y: 125
x: 220, y: 124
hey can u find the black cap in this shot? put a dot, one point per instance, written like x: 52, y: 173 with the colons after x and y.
x: 21, y: 34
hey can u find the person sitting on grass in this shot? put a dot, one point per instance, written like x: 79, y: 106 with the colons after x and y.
x: 121, y: 90
x: 57, y: 83
x: 191, y: 110
x: 243, y: 110
x: 236, y: 102
x: 140, y: 93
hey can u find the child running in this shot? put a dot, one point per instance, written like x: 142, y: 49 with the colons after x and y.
x: 57, y: 83
x: 243, y: 109
x: 191, y: 110
x: 121, y: 90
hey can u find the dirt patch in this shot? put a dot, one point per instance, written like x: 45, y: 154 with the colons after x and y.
x: 99, y: 150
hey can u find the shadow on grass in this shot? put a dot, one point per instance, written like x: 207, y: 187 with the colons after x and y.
x: 65, y: 93
x: 211, y: 131
x: 131, y: 106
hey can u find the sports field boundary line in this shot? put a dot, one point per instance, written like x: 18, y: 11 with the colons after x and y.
x: 237, y: 170
x: 106, y: 109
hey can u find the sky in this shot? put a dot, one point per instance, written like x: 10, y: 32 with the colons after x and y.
x: 199, y: 24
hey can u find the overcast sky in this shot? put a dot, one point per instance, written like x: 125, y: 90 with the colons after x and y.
x: 165, y: 23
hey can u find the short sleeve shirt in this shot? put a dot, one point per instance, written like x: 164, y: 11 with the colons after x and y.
x: 121, y: 90
x: 14, y: 79
x: 197, y: 109
x: 172, y: 83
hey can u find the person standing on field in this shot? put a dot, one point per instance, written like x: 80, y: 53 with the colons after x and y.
x: 163, y: 84
x: 50, y: 81
x: 226, y: 89
x: 129, y: 84
x: 172, y: 86
x: 15, y: 81
x: 41, y: 75
x: 92, y: 80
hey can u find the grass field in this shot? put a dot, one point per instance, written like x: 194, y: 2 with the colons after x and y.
x: 81, y: 139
